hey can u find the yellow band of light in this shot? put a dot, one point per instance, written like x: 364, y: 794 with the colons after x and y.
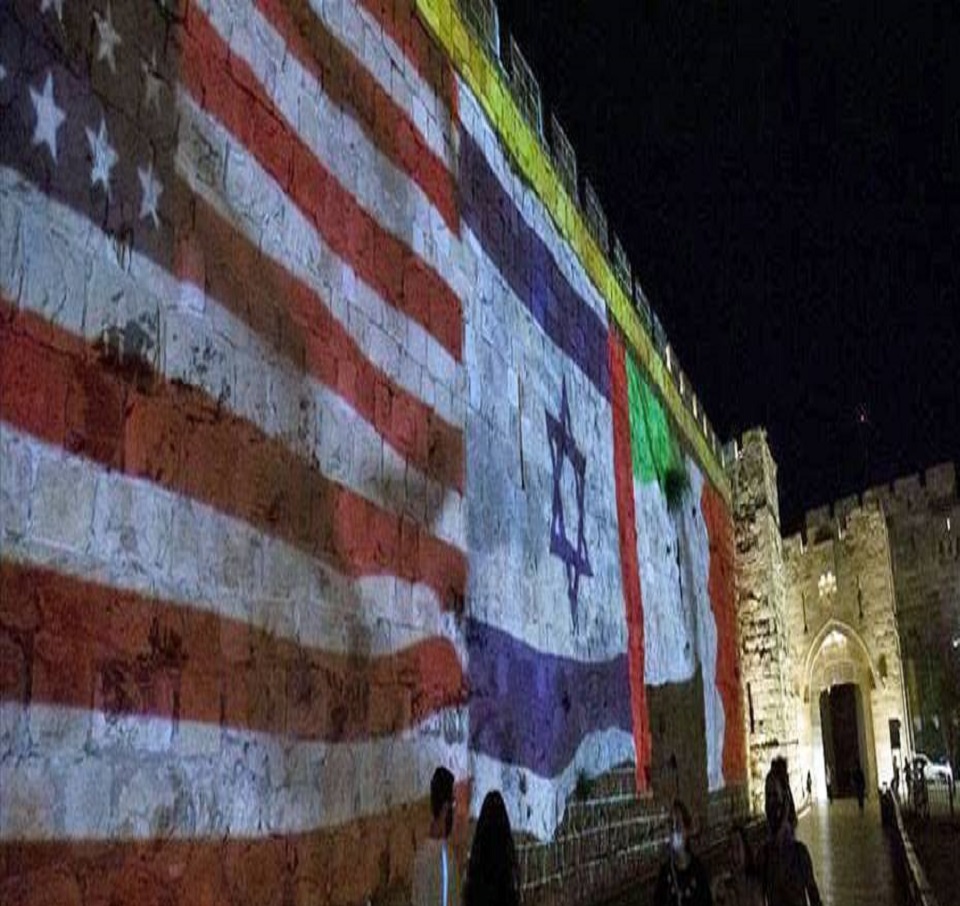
x: 442, y: 17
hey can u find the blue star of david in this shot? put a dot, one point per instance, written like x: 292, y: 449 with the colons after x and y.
x: 573, y: 553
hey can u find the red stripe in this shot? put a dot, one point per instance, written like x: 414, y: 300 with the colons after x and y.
x: 629, y: 565
x: 123, y: 653
x: 293, y: 319
x: 722, y: 590
x: 370, y: 858
x: 400, y: 21
x: 349, y: 84
x: 228, y: 88
x: 121, y: 414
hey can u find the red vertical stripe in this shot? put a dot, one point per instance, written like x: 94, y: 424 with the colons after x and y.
x: 630, y: 567
x: 722, y: 600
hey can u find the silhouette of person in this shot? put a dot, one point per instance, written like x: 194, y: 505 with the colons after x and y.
x: 784, y: 866
x: 492, y: 873
x: 779, y: 767
x: 682, y: 879
x: 859, y: 785
x: 434, y: 869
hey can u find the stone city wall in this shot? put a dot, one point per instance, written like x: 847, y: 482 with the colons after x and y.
x: 923, y: 518
x: 333, y: 448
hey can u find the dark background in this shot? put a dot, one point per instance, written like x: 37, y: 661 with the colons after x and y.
x: 786, y: 180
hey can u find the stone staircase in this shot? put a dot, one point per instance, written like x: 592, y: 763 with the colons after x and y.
x: 611, y: 840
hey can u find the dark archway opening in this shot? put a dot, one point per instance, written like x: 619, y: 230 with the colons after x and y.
x: 841, y: 717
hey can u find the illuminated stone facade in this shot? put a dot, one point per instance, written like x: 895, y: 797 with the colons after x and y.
x: 336, y: 443
x: 866, y: 597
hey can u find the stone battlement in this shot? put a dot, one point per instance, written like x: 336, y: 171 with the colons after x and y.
x: 483, y: 21
x: 936, y: 485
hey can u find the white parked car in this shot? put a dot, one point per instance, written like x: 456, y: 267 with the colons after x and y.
x: 934, y: 772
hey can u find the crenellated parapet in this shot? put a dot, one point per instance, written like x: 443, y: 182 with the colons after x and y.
x: 932, y: 489
x: 827, y: 525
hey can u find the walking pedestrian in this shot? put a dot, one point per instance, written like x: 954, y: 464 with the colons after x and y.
x: 779, y: 767
x: 859, y: 785
x: 809, y: 787
x: 683, y: 880
x: 784, y: 864
x: 492, y: 875
x: 434, y: 869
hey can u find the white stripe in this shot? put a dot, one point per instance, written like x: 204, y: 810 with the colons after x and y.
x: 428, y: 111
x: 194, y: 780
x: 362, y: 35
x: 67, y: 514
x: 669, y: 634
x: 536, y: 805
x: 526, y: 201
x: 380, y: 187
x: 245, y: 195
x: 696, y: 600
x: 515, y: 583
x: 217, y: 353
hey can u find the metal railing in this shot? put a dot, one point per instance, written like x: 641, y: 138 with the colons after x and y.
x: 918, y: 887
x: 930, y: 799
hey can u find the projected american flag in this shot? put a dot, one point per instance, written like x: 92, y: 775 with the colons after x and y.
x: 243, y: 548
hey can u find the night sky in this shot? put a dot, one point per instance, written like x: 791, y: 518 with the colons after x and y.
x: 786, y: 180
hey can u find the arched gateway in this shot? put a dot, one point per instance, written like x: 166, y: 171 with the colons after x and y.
x: 838, y: 696
x: 847, y: 668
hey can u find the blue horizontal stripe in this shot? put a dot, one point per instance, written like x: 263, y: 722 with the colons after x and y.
x: 534, y: 709
x: 529, y: 268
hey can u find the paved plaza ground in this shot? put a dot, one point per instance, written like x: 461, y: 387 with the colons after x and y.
x: 852, y: 854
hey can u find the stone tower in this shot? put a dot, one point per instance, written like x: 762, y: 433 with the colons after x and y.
x: 765, y: 645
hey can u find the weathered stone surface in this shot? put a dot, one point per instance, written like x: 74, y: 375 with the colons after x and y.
x: 766, y: 657
x: 255, y: 430
x: 867, y: 593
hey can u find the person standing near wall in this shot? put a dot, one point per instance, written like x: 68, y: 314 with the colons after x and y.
x: 784, y: 865
x: 859, y: 785
x: 492, y: 874
x: 683, y: 881
x: 435, y: 881
x: 779, y: 767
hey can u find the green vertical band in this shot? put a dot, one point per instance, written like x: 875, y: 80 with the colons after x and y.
x: 654, y: 449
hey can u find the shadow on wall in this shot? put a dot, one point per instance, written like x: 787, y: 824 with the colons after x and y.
x: 679, y: 748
